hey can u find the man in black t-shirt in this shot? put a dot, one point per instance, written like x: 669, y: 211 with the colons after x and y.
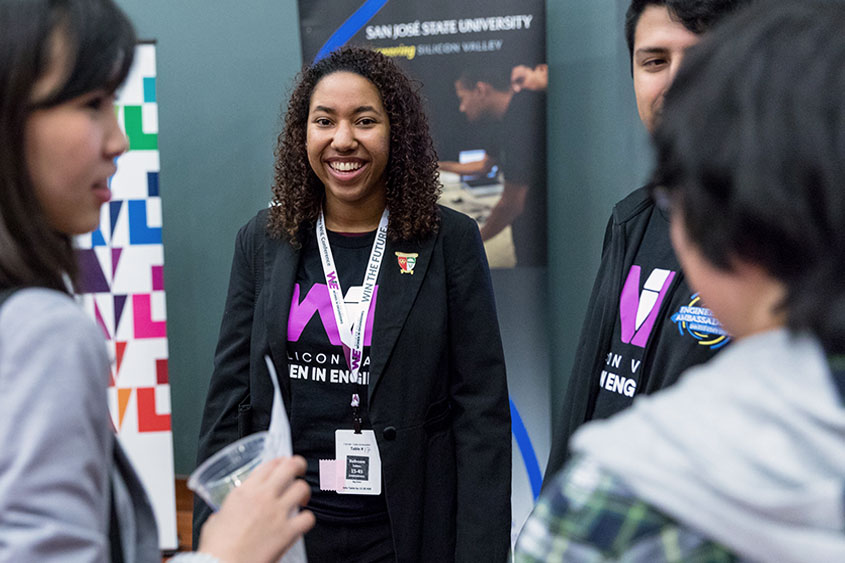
x: 644, y: 326
x: 486, y: 94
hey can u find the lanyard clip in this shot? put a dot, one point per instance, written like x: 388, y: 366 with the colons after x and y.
x: 356, y: 413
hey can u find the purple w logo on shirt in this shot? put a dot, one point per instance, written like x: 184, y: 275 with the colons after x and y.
x: 318, y: 301
x: 638, y: 311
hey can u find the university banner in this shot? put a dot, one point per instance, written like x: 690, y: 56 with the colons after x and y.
x: 481, y: 67
x: 122, y: 288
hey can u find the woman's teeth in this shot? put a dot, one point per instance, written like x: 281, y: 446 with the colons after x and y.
x: 345, y: 166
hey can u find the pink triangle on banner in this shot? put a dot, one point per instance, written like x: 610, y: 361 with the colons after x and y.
x: 115, y: 258
x: 100, y: 321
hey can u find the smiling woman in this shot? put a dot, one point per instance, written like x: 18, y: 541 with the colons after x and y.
x: 356, y: 264
x: 411, y: 164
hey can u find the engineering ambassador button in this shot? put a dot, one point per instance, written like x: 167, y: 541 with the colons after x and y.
x: 700, y: 323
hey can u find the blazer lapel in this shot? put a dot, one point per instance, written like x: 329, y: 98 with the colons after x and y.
x: 397, y: 292
x: 280, y: 264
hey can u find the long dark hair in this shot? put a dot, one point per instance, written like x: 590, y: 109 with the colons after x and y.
x: 98, y: 41
x: 412, y: 180
x: 752, y: 144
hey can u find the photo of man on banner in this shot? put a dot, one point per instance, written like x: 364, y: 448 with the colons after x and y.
x: 486, y: 92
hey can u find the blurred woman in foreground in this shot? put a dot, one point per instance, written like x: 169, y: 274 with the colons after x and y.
x: 67, y: 490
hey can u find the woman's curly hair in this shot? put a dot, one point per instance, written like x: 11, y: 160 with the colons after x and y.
x: 412, y: 178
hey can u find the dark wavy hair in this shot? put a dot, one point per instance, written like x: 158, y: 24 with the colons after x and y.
x: 412, y: 178
x: 99, y: 43
x: 752, y: 149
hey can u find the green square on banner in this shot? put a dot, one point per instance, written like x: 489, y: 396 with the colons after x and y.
x: 150, y: 90
x: 138, y: 140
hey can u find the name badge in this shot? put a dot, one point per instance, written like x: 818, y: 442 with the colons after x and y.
x: 360, y: 462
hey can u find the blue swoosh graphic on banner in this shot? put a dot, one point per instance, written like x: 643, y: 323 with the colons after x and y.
x: 529, y: 458
x: 350, y: 27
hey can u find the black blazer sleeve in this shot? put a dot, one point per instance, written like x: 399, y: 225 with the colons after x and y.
x: 599, y: 322
x: 479, y: 394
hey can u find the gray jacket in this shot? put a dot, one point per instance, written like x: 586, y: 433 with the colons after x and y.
x: 748, y: 449
x: 59, y: 461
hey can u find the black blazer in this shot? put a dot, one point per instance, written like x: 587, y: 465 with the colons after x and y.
x: 437, y: 392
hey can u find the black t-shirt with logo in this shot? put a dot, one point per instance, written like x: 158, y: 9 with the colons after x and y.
x: 658, y: 316
x: 321, y: 390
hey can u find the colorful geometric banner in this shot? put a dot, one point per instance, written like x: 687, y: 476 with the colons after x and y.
x: 122, y: 285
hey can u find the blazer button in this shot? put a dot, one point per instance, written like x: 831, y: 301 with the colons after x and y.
x: 389, y: 433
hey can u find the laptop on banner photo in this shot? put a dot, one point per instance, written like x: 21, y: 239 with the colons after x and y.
x: 478, y: 180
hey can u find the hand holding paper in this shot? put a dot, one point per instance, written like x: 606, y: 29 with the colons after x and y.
x: 253, y: 484
x: 279, y: 444
x: 259, y: 519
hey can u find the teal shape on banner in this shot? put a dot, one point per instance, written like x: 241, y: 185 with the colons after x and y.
x: 149, y: 89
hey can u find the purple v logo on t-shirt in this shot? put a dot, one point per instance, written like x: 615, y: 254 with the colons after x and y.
x: 317, y: 300
x: 638, y: 311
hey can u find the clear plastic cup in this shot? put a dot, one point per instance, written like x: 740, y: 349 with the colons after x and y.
x: 227, y: 469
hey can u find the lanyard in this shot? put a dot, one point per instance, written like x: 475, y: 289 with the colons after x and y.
x: 352, y: 329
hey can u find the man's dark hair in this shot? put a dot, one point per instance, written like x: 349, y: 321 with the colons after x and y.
x: 697, y: 16
x: 497, y: 77
x: 752, y: 148
x: 99, y: 44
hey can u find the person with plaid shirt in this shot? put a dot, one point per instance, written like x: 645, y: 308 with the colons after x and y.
x: 744, y: 458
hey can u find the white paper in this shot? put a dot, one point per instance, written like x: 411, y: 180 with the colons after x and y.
x: 280, y: 444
